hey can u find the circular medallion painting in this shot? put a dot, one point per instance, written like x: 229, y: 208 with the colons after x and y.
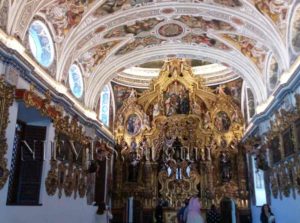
x: 170, y: 30
x: 133, y: 124
x: 222, y: 121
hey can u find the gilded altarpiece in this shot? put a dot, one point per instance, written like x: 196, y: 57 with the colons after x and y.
x: 69, y: 149
x: 68, y: 171
x: 177, y: 139
x: 283, y: 143
x: 6, y: 99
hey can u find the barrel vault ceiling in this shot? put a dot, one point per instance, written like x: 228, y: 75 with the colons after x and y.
x: 257, y: 39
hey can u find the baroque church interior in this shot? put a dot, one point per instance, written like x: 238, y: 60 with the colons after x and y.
x: 122, y: 110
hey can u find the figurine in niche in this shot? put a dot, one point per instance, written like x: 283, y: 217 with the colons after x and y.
x: 222, y: 121
x: 133, y: 93
x: 184, y: 103
x: 235, y: 116
x: 156, y: 110
x: 177, y: 146
x: 196, y: 108
x: 121, y: 119
x: 221, y: 89
x: 146, y: 122
x: 176, y: 69
x: 225, y: 167
x: 206, y: 120
x: 133, y: 144
x: 223, y: 142
x: 124, y: 148
x: 144, y: 146
x: 202, y: 153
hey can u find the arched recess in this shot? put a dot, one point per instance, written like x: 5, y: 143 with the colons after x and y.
x: 231, y: 58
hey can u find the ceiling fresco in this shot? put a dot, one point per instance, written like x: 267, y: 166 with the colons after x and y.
x: 105, y: 37
x: 276, y: 10
x: 250, y: 48
x: 135, y: 29
x: 93, y: 57
x: 205, y: 24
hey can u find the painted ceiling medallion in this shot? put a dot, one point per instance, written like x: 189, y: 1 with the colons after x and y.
x: 170, y: 30
x: 167, y: 10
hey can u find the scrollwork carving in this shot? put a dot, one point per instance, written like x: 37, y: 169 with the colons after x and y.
x: 69, y: 181
x: 6, y: 100
x: 52, y: 179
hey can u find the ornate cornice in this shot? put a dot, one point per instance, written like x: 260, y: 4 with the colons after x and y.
x: 26, y: 71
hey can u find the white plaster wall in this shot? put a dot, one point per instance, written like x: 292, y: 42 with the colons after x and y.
x: 255, y: 212
x: 286, y: 210
x: 52, y: 210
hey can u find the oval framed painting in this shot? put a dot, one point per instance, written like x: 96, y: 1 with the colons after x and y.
x: 133, y: 124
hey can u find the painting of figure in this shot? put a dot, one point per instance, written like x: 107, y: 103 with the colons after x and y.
x: 205, y: 24
x: 176, y: 100
x: 296, y: 31
x: 135, y: 29
x: 93, y: 57
x: 276, y: 10
x: 64, y: 15
x: 251, y: 48
x: 121, y: 93
x: 222, y: 121
x: 139, y: 42
x: 133, y: 124
x: 273, y: 73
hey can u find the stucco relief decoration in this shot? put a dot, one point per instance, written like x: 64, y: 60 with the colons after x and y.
x: 178, y: 111
x: 111, y: 6
x: 93, y: 57
x: 139, y: 42
x: 205, y: 24
x: 276, y: 10
x: 135, y: 29
x: 203, y: 39
x: 65, y: 14
x: 228, y: 3
x: 252, y: 49
x: 6, y: 100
